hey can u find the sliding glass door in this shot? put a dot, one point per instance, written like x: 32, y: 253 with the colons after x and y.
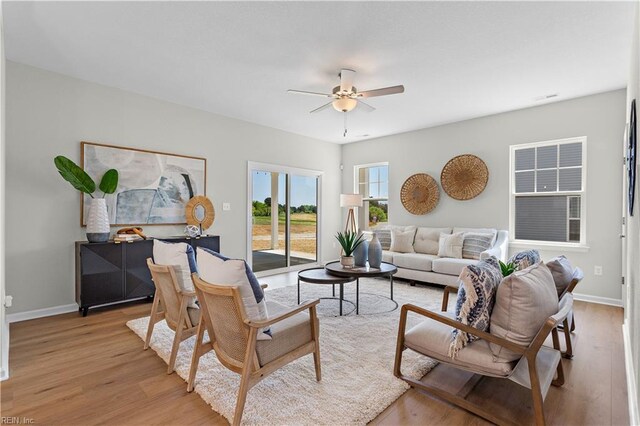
x: 283, y: 218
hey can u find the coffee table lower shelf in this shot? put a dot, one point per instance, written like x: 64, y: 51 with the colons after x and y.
x: 318, y: 275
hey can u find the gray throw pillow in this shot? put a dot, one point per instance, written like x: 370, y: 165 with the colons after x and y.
x: 562, y: 273
x: 384, y: 236
x: 477, y: 288
x: 474, y: 244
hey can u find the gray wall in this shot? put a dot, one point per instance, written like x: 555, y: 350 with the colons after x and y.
x: 632, y: 294
x: 49, y: 114
x: 599, y: 117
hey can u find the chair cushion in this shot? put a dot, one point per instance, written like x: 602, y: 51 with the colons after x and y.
x: 474, y: 244
x: 524, y: 259
x: 417, y: 261
x: 384, y: 236
x: 524, y: 301
x: 220, y: 270
x: 450, y: 245
x: 387, y: 256
x: 181, y: 257
x: 562, y: 273
x: 427, y: 239
x: 492, y: 231
x: 432, y: 338
x: 287, y: 335
x: 476, y: 292
x: 402, y: 241
x: 450, y: 266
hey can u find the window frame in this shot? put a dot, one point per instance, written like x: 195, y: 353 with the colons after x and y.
x: 356, y: 190
x: 577, y: 246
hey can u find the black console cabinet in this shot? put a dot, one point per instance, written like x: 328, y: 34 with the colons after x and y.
x: 116, y: 272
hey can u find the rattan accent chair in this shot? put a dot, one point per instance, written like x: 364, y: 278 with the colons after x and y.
x: 170, y: 304
x: 233, y: 337
x: 534, y: 370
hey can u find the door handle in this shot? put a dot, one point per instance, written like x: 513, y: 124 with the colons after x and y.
x: 622, y: 236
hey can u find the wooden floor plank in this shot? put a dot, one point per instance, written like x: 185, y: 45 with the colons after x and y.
x: 88, y: 371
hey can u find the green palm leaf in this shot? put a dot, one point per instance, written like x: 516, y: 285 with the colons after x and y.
x: 109, y: 181
x: 73, y: 174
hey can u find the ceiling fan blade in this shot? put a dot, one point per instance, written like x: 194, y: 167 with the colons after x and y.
x: 381, y: 92
x: 302, y: 92
x: 365, y: 107
x: 346, y: 80
x: 325, y: 106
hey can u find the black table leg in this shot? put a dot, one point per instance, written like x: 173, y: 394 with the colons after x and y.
x: 391, y: 280
x: 341, y: 297
x: 357, y: 296
x: 298, y: 291
x: 333, y: 289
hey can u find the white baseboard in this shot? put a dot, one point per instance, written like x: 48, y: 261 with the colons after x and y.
x: 597, y: 299
x: 39, y: 313
x: 3, y: 375
x: 632, y: 391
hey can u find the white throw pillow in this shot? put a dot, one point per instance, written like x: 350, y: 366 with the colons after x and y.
x: 450, y: 245
x: 402, y: 241
x: 182, y: 258
x: 219, y: 270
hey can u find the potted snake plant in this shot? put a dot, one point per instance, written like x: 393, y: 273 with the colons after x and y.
x: 349, y: 241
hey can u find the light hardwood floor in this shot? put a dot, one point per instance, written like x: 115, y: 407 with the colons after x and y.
x: 82, y: 371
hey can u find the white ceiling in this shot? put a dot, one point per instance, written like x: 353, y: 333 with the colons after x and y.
x: 456, y: 60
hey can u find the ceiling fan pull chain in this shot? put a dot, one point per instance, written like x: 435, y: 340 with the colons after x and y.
x: 344, y: 135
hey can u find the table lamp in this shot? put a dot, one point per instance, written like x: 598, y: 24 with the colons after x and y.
x: 351, y: 201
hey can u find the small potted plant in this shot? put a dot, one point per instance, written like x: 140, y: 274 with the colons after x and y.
x: 98, y: 220
x: 507, y: 268
x: 349, y: 241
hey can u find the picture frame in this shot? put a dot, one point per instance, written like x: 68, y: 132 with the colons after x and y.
x: 153, y: 188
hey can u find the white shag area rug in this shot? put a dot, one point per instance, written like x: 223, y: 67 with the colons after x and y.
x: 356, y: 352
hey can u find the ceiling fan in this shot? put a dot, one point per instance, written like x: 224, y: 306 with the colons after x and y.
x: 345, y: 97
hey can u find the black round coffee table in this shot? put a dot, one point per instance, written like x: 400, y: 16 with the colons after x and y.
x: 386, y: 269
x: 319, y: 275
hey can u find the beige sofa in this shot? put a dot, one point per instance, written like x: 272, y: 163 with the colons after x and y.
x: 424, y: 264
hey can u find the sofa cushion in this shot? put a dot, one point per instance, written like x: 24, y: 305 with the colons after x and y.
x: 427, y: 239
x: 562, y: 273
x: 476, y: 293
x: 287, y: 335
x: 384, y: 236
x: 524, y: 300
x: 450, y: 245
x: 450, y: 266
x: 492, y: 231
x: 416, y: 261
x: 181, y: 257
x: 402, y: 241
x: 432, y: 338
x: 220, y: 270
x: 387, y: 256
x: 474, y: 244
x: 524, y: 259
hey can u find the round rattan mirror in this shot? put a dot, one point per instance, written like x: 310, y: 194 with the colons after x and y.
x: 199, y: 211
x: 464, y: 177
x: 420, y: 194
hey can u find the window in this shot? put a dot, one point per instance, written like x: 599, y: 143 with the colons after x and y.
x: 548, y: 191
x: 372, y: 181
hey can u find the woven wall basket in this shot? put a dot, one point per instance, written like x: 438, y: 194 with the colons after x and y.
x: 420, y: 194
x: 464, y: 177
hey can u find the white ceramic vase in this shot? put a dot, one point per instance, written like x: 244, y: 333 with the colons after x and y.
x: 97, y: 221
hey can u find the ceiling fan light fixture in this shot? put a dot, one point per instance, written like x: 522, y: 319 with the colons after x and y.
x: 344, y: 104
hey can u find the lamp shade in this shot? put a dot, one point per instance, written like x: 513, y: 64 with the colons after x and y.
x: 344, y: 104
x: 350, y: 200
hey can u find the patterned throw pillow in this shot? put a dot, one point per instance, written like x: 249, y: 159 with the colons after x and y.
x: 478, y: 285
x: 450, y: 245
x: 524, y: 259
x: 384, y: 236
x: 474, y: 244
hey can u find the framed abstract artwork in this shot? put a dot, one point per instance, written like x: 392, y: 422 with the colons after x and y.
x: 632, y: 152
x: 153, y: 187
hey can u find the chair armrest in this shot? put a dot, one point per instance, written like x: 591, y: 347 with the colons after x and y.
x: 187, y: 293
x: 291, y: 312
x: 464, y: 327
x: 264, y: 286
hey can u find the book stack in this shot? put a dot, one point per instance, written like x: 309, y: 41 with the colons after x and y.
x: 125, y: 238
